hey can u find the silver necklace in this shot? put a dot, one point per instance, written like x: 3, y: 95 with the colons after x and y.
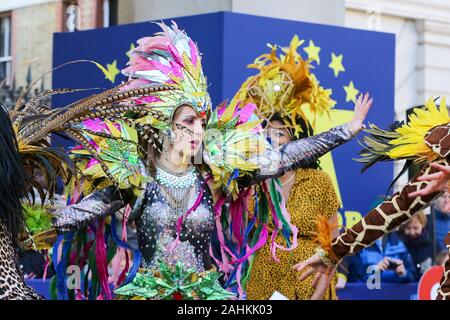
x: 176, y: 186
x: 175, y: 179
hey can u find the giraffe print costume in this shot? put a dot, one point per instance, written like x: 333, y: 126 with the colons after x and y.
x: 392, y: 213
x: 444, y: 290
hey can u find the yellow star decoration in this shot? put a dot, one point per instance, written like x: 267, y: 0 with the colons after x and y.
x: 336, y: 64
x: 132, y: 47
x: 313, y: 52
x: 112, y: 71
x: 325, y: 123
x: 351, y: 92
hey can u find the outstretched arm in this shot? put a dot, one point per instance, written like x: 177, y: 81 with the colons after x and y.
x: 417, y: 194
x: 302, y: 153
x: 98, y: 204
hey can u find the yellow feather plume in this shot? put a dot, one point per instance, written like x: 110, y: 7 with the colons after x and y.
x: 285, y: 86
x: 411, y: 142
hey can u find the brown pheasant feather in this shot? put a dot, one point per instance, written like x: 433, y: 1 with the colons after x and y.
x: 79, y: 138
x: 56, y: 121
x: 31, y: 105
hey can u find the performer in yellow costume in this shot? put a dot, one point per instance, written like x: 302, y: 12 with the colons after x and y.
x: 312, y: 194
x: 284, y: 90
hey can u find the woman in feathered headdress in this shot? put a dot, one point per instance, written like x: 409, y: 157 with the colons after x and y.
x: 157, y: 139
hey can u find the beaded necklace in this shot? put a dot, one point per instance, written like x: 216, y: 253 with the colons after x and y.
x: 177, y: 186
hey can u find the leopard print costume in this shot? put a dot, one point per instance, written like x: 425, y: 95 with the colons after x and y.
x: 12, y: 286
x: 312, y: 194
x: 392, y: 213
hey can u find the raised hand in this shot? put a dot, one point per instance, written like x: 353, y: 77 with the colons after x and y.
x: 438, y: 181
x: 362, y: 106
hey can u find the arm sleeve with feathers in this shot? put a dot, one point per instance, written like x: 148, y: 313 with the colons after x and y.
x: 97, y: 205
x: 385, y: 217
x: 299, y: 153
x: 444, y: 290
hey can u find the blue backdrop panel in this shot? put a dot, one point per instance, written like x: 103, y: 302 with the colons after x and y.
x: 352, y: 291
x: 369, y: 61
x: 388, y: 291
x: 229, y: 42
x: 111, y: 44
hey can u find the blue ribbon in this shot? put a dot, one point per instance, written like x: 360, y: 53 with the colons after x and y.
x: 243, y: 250
x: 137, y: 256
x: 235, y: 175
x: 61, y: 266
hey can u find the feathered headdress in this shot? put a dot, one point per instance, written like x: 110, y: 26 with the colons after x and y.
x: 168, y: 58
x: 106, y: 153
x: 76, y: 121
x: 411, y: 141
x: 285, y: 86
x: 233, y: 136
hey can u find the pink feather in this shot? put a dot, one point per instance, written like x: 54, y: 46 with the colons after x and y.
x: 91, y: 163
x: 194, y: 52
x: 246, y: 112
x: 96, y: 125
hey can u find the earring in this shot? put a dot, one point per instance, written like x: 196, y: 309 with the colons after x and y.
x: 171, y: 135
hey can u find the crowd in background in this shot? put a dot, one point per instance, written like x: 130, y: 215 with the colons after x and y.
x: 405, y: 254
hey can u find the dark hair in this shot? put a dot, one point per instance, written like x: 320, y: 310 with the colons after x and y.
x: 12, y: 177
x: 307, y: 131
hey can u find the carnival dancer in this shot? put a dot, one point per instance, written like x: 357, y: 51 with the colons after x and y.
x: 148, y: 147
x: 285, y: 91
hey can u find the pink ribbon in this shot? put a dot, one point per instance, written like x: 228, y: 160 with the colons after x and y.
x: 174, y: 244
x: 119, y: 275
x: 102, y: 263
x: 274, y: 245
x: 224, y: 266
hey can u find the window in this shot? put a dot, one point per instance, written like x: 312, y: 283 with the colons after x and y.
x: 71, y: 13
x: 109, y: 13
x: 5, y: 46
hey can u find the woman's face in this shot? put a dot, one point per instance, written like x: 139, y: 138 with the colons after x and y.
x: 277, y: 132
x: 413, y: 229
x: 188, y: 141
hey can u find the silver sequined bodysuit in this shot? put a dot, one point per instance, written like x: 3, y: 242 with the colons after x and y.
x: 156, y: 228
x: 156, y: 221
